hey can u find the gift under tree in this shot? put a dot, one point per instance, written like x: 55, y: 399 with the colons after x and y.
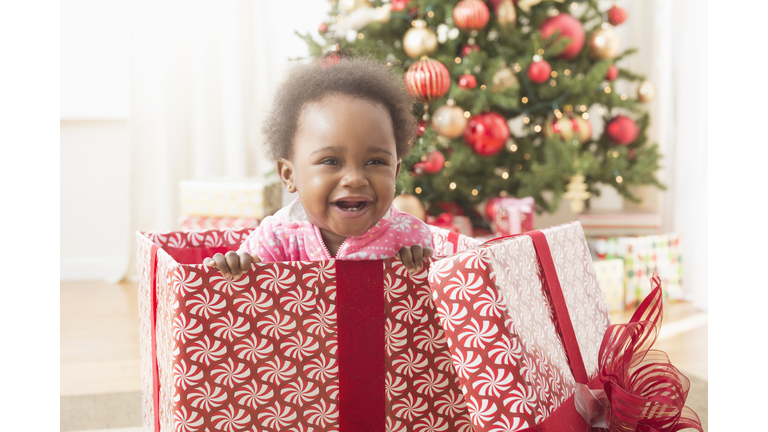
x: 478, y: 68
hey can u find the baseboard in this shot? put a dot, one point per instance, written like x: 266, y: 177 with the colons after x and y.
x: 109, y: 268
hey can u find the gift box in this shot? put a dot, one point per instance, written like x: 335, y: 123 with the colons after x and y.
x: 242, y: 200
x: 512, y: 215
x: 530, y: 339
x: 648, y: 255
x: 329, y: 345
x: 610, y: 278
x: 451, y: 222
x: 201, y: 223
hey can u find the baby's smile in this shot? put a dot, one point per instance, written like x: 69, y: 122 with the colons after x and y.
x: 352, y: 206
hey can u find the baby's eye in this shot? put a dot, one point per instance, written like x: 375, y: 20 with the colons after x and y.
x: 376, y: 162
x: 329, y: 162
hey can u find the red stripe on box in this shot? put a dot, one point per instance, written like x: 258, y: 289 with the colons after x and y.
x: 155, y: 372
x: 361, y: 316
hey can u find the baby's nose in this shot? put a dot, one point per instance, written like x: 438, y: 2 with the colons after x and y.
x: 354, y: 178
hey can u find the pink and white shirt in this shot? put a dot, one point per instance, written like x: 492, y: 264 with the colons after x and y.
x: 289, y: 236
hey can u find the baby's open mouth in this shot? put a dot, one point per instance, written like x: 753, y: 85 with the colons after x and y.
x: 351, y: 205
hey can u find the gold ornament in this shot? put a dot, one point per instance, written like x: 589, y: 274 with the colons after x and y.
x: 504, y: 79
x: 582, y: 128
x: 561, y: 127
x: 505, y: 14
x: 347, y: 6
x: 410, y: 204
x: 419, y: 40
x: 646, y: 92
x: 577, y: 193
x: 449, y: 121
x: 605, y: 43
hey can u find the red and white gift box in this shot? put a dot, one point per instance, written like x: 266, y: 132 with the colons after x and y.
x: 530, y: 339
x: 513, y: 215
x: 324, y: 346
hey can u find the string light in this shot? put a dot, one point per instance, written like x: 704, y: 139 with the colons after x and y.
x: 567, y: 72
x: 360, y: 35
x: 616, y: 154
x: 601, y: 111
x: 517, y: 67
x: 607, y: 89
x: 505, y: 175
x: 418, y: 190
x: 526, y: 156
x: 482, y: 87
x: 537, y: 128
x: 583, y: 108
x: 430, y: 14
x: 526, y: 120
x: 540, y: 51
x: 552, y: 83
x: 518, y: 167
x: 623, y: 96
x: 447, y: 164
x: 574, y: 5
x: 452, y: 185
x: 458, y: 60
x: 619, y: 179
x: 554, y: 74
x: 513, y: 148
x: 474, y: 192
x: 585, y: 116
x: 467, y: 114
x: 558, y: 114
x: 525, y: 99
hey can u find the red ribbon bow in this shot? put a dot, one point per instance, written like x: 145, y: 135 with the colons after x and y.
x: 637, y: 388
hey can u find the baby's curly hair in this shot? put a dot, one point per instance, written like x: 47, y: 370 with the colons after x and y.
x: 359, y: 77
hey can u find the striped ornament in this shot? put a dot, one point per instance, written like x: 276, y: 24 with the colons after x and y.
x: 470, y: 15
x: 427, y: 80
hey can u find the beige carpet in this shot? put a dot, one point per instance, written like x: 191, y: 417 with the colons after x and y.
x: 123, y: 410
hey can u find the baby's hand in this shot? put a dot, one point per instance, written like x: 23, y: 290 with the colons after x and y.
x: 233, y: 264
x: 414, y: 257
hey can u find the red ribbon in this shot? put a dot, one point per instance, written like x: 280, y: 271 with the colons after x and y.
x: 153, y: 327
x: 637, y: 388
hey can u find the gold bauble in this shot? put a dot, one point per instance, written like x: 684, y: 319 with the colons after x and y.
x: 449, y: 121
x: 646, y: 91
x: 419, y: 40
x: 503, y: 79
x: 410, y: 204
x: 605, y: 43
x: 505, y: 14
x: 347, y: 6
x: 561, y: 127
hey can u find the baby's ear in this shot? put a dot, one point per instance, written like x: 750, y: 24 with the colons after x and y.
x: 397, y: 169
x: 285, y: 170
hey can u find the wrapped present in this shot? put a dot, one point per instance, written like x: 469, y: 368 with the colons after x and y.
x: 201, y: 223
x: 512, y: 215
x: 329, y: 345
x: 451, y: 222
x: 610, y: 278
x: 232, y: 198
x: 620, y: 223
x: 648, y: 255
x: 530, y: 339
x: 449, y: 242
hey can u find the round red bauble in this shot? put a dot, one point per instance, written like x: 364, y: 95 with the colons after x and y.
x: 616, y: 15
x: 467, y: 82
x: 470, y: 15
x: 569, y: 27
x: 538, y: 72
x: 490, y: 208
x: 622, y: 130
x: 322, y: 28
x: 432, y: 165
x: 427, y: 80
x: 468, y: 48
x: 486, y: 133
x: 613, y: 73
x: 398, y: 5
x: 421, y: 127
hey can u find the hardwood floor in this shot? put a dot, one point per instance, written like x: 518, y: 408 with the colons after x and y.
x: 100, y: 344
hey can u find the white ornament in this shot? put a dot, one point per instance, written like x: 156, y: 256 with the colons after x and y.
x: 360, y: 18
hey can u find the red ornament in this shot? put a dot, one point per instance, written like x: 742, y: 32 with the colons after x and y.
x: 467, y: 82
x: 322, y: 28
x: 486, y: 133
x: 468, y: 48
x: 622, y: 130
x: 538, y: 72
x: 613, y: 73
x: 470, y: 15
x: 398, y: 5
x: 421, y: 127
x: 427, y: 80
x: 569, y: 27
x: 330, y: 59
x: 490, y: 208
x: 434, y: 163
x: 616, y: 15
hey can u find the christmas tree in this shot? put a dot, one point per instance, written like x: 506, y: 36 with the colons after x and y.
x: 504, y: 88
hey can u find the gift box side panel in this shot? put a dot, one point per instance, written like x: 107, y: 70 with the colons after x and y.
x: 143, y: 273
x: 586, y: 307
x: 610, y: 278
x: 166, y: 266
x: 518, y: 274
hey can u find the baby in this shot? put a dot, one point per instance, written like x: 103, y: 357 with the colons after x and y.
x: 338, y: 134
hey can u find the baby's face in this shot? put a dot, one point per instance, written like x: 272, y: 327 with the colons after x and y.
x: 344, y: 165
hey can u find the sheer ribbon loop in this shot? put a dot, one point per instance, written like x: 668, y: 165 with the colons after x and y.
x: 637, y: 388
